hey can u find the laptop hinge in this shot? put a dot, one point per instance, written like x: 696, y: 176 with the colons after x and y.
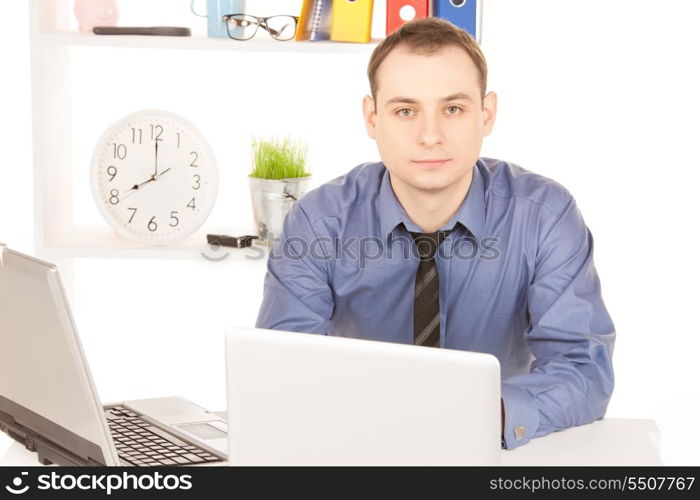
x: 47, y: 449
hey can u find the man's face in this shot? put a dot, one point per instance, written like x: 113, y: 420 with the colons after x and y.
x: 429, y: 108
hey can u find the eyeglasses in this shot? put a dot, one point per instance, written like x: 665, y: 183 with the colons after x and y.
x: 244, y: 27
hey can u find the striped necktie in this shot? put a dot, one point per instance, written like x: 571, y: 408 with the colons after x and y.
x: 426, y: 298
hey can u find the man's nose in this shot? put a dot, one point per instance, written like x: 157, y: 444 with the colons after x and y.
x: 431, y: 130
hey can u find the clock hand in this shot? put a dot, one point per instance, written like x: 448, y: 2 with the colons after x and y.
x: 137, y: 186
x: 155, y: 174
x: 163, y: 172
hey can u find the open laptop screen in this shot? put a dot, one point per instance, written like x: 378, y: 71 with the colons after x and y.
x: 47, y: 396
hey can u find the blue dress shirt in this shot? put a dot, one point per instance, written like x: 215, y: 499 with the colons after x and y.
x: 517, y: 280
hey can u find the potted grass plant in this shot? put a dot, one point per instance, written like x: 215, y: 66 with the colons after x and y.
x: 278, y: 179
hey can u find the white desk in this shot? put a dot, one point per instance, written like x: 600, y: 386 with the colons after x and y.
x: 614, y: 441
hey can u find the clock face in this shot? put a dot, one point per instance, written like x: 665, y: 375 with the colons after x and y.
x: 154, y: 177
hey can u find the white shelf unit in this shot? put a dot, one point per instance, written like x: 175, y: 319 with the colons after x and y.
x: 197, y: 43
x: 57, y: 238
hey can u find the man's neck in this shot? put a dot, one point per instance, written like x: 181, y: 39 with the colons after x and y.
x: 430, y: 210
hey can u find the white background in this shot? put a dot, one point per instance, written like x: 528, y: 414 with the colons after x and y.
x: 599, y: 95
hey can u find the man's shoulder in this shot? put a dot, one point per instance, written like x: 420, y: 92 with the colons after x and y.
x: 336, y: 197
x: 507, y: 180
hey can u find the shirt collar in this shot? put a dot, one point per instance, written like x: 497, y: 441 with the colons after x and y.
x: 471, y: 213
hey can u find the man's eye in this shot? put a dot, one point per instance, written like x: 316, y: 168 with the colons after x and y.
x: 401, y: 112
x: 456, y: 108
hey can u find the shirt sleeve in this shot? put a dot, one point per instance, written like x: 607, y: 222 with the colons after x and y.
x: 571, y: 337
x: 297, y: 295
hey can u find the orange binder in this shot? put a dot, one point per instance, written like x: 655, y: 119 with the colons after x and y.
x: 352, y: 20
x: 395, y: 9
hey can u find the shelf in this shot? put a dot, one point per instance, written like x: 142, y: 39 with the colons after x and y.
x: 57, y: 237
x: 198, y: 43
x: 101, y: 242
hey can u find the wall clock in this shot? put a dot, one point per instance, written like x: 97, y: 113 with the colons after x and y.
x: 153, y: 177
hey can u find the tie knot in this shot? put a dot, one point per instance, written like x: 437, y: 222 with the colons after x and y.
x: 428, y: 243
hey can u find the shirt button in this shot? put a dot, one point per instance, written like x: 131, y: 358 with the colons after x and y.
x: 520, y: 432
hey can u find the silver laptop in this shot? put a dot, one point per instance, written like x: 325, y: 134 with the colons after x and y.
x: 306, y: 399
x: 48, y: 401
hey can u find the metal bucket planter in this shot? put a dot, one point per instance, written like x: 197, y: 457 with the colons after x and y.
x: 272, y: 199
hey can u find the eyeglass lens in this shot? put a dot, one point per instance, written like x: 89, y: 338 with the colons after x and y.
x: 241, y: 27
x: 281, y: 27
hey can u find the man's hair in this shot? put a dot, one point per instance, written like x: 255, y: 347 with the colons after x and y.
x: 427, y: 36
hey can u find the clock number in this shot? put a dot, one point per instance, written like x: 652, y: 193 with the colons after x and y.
x: 119, y: 151
x: 114, y: 197
x: 191, y: 204
x: 152, y: 226
x: 132, y: 215
x: 196, y: 156
x: 154, y: 128
x: 196, y: 181
x: 172, y: 216
x: 178, y: 140
x: 133, y: 136
x: 112, y: 170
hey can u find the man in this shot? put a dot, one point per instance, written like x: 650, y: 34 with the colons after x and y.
x: 501, y: 259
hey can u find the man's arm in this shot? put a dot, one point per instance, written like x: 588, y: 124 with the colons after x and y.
x: 297, y: 294
x: 571, y: 337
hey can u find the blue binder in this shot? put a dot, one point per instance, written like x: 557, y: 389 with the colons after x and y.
x: 462, y: 13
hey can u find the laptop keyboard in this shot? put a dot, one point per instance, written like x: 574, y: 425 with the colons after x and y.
x: 141, y: 444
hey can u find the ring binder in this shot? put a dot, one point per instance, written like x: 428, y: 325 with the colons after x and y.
x: 352, y: 20
x: 393, y: 12
x: 315, y: 20
x: 465, y: 14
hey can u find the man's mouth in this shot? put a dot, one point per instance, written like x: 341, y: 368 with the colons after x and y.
x: 432, y: 163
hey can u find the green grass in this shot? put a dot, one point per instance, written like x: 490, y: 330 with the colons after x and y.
x: 279, y: 159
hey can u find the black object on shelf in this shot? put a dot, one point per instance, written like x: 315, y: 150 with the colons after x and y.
x: 231, y: 241
x: 142, y: 30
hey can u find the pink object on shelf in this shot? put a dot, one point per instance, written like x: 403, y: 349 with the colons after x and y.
x: 91, y: 13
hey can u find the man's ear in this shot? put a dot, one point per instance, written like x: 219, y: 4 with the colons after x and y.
x: 370, y: 115
x: 490, y: 107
